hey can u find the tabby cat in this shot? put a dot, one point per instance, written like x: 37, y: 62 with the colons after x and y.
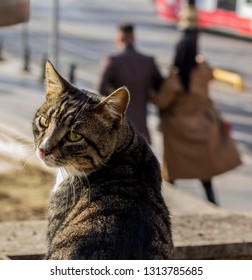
x: 106, y: 203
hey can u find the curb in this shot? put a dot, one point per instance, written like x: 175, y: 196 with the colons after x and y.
x: 229, y: 77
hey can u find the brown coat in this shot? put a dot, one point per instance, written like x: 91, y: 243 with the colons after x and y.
x: 139, y: 74
x: 196, y: 143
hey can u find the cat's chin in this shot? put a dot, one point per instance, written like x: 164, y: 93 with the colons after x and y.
x: 49, y: 163
x: 75, y: 172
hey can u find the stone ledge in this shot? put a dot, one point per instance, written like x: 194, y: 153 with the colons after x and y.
x: 222, y: 236
x: 21, y: 239
x: 195, y: 236
x: 214, y: 234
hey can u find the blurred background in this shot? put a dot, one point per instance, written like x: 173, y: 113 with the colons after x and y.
x: 76, y: 35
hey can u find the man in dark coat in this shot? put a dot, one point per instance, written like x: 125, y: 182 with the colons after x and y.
x: 134, y: 70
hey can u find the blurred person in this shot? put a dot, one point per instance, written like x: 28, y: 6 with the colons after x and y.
x: 188, y: 16
x: 196, y: 141
x: 132, y: 69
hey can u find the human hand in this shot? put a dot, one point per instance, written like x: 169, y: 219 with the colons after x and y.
x: 199, y: 58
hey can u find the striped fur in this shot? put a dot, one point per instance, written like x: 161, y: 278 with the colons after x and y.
x: 109, y: 203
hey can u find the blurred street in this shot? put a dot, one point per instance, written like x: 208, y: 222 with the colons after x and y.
x: 87, y: 30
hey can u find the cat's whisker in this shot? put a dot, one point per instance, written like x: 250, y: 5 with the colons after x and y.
x: 81, y: 109
x: 20, y: 138
x: 20, y: 158
x: 65, y: 173
x: 29, y: 161
x: 84, y: 188
x: 73, y: 185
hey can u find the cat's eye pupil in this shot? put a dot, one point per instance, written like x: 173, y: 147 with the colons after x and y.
x: 43, y: 122
x: 73, y: 136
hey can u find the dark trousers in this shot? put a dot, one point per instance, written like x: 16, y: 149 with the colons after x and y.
x: 208, y: 190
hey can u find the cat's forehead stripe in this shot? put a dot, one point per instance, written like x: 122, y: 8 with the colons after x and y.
x: 69, y: 112
x: 51, y: 111
x: 64, y: 108
x: 69, y: 116
x: 54, y: 110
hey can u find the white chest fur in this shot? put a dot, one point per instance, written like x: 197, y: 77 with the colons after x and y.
x: 61, y: 176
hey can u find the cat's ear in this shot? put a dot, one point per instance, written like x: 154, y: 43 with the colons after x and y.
x: 117, y: 102
x: 55, y: 84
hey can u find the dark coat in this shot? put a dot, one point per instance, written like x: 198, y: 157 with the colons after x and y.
x: 139, y: 74
x: 196, y: 142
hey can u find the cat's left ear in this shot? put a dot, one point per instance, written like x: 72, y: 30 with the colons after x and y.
x: 55, y: 84
x: 117, y: 102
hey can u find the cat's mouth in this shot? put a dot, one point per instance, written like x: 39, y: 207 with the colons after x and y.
x: 51, y: 160
x: 47, y: 159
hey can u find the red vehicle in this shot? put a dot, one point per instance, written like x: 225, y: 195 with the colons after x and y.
x: 14, y: 11
x: 234, y: 16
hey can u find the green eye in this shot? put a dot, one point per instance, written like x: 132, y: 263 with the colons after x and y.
x: 74, y: 137
x: 43, y: 122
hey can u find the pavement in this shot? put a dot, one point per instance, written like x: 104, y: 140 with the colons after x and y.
x: 16, y: 145
x: 234, y: 189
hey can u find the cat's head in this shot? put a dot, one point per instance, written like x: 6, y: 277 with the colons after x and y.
x: 77, y: 129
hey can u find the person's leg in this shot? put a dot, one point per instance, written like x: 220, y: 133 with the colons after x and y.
x: 209, y: 191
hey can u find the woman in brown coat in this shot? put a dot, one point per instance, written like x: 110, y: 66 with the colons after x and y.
x: 196, y: 143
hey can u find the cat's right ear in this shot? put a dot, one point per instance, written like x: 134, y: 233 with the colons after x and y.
x: 55, y: 84
x: 117, y: 102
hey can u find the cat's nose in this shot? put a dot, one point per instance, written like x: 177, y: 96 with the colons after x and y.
x: 44, y: 152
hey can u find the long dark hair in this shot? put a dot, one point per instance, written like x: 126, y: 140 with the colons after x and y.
x: 186, y: 51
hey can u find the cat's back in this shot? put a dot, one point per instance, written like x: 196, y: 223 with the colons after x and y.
x: 120, y: 213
